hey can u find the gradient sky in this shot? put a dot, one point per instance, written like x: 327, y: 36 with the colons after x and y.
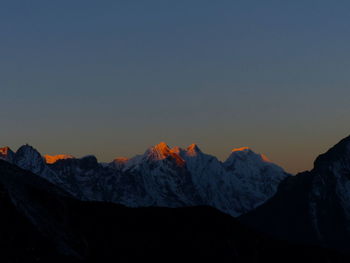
x: 111, y: 78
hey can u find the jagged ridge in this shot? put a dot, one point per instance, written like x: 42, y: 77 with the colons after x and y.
x: 162, y: 176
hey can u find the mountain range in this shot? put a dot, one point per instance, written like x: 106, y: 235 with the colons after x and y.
x: 162, y: 176
x: 40, y: 222
x: 168, y: 199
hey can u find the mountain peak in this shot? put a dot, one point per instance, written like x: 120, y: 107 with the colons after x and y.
x: 29, y: 158
x: 51, y: 159
x: 27, y: 150
x: 242, y: 149
x: 193, y: 146
x: 193, y: 150
x: 162, y: 151
x: 246, y: 153
x: 162, y: 146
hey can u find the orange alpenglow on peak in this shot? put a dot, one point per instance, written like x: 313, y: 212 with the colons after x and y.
x: 193, y: 149
x: 5, y: 150
x: 193, y: 146
x: 264, y: 158
x: 246, y: 149
x: 162, y: 146
x: 51, y: 159
x: 176, y: 149
x: 164, y: 151
x: 241, y: 149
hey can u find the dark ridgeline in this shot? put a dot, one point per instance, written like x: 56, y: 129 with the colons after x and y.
x: 311, y: 207
x: 42, y: 223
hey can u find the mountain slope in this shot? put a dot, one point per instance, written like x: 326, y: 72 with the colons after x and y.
x: 312, y: 207
x: 45, y: 224
x: 258, y: 176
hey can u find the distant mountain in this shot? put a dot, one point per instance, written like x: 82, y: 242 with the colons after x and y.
x: 162, y: 176
x: 312, y: 207
x: 257, y: 174
x: 42, y: 223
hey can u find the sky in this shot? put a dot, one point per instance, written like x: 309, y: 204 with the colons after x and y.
x: 112, y: 78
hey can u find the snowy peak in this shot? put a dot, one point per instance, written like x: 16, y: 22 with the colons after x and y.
x: 258, y: 175
x: 51, y: 159
x: 245, y: 154
x: 7, y: 154
x: 162, y: 151
x: 193, y: 150
x: 242, y: 149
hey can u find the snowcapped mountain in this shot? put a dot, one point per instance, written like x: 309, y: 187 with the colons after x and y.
x: 313, y: 206
x: 162, y: 176
x: 256, y: 172
x: 192, y: 177
x: 238, y: 185
x: 214, y: 184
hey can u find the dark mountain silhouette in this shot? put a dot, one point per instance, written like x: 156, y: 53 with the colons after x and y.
x: 312, y: 207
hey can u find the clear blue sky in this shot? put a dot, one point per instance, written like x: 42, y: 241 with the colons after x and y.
x: 111, y: 78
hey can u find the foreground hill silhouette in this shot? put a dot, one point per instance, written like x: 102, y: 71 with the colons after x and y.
x: 41, y: 223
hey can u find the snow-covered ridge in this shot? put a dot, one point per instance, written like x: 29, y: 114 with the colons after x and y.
x: 162, y: 176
